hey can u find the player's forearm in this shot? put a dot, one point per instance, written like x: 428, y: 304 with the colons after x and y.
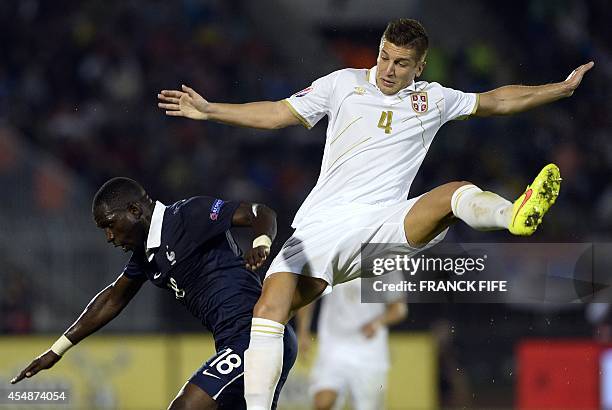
x: 101, y: 310
x: 394, y: 314
x: 512, y: 99
x: 262, y: 114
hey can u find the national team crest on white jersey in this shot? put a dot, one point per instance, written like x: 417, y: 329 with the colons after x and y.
x: 419, y: 102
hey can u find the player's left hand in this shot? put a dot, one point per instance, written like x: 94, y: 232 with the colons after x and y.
x: 573, y: 80
x: 256, y: 257
x: 370, y: 328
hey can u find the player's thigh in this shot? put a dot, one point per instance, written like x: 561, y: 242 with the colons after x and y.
x: 191, y: 397
x: 431, y: 214
x: 221, y: 376
x: 325, y: 399
x: 284, y: 292
x: 307, y: 291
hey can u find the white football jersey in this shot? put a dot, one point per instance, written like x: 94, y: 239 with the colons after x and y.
x: 339, y: 328
x: 375, y: 142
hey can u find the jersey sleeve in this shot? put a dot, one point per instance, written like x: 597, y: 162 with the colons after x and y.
x: 206, y: 217
x: 458, y: 105
x: 134, y: 269
x: 314, y: 102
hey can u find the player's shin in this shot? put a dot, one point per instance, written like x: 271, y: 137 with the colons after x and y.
x: 481, y: 210
x: 263, y: 362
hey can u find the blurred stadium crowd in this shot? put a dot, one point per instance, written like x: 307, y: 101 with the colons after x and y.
x: 78, y: 84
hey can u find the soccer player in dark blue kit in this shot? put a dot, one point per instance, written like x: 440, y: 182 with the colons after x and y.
x: 186, y: 248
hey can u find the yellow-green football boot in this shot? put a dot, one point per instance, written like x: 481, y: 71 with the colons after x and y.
x: 529, y: 208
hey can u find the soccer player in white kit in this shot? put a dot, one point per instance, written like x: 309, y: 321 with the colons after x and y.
x: 380, y: 126
x: 353, y: 347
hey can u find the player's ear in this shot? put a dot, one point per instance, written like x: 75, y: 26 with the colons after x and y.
x: 420, y: 67
x: 135, y: 209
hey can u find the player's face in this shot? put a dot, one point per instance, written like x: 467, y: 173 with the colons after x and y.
x: 397, y: 67
x: 123, y: 227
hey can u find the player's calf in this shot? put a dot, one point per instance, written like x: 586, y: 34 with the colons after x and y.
x: 263, y: 360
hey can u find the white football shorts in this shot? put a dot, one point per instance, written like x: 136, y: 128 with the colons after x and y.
x: 327, y: 244
x: 364, y: 385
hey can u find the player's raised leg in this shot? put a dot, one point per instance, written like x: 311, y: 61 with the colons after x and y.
x: 481, y: 210
x: 283, y: 293
x: 191, y: 397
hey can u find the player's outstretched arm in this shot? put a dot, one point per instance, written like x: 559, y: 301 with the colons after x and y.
x: 512, y: 99
x: 189, y: 104
x: 262, y: 220
x: 105, y: 306
x: 394, y: 314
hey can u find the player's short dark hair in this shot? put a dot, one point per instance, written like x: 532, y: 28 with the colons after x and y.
x: 118, y: 192
x: 407, y: 33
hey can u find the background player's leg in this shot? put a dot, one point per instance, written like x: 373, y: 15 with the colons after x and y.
x: 191, y: 397
x: 439, y: 208
x: 282, y: 294
x: 325, y: 399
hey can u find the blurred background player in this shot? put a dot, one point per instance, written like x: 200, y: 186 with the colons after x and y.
x: 381, y: 125
x: 353, y: 350
x: 187, y: 249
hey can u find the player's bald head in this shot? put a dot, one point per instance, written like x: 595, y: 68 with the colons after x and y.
x: 118, y: 193
x: 407, y: 33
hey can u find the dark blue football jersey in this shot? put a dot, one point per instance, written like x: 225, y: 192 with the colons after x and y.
x: 200, y: 264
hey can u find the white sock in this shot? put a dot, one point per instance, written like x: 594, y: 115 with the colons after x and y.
x: 263, y: 363
x: 482, y: 210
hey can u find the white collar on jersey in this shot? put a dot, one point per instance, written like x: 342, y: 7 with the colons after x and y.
x: 372, y: 80
x: 154, y: 236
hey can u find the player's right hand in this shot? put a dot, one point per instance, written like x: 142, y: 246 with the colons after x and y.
x: 256, y: 257
x: 44, y: 361
x: 186, y: 103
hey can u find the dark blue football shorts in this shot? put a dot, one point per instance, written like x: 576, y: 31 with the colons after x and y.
x: 222, y: 376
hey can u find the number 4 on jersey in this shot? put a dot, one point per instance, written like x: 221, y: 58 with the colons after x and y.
x: 385, y: 121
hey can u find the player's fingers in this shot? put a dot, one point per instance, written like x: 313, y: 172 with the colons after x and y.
x: 586, y: 67
x: 162, y: 97
x: 168, y: 106
x: 29, y: 371
x: 174, y: 114
x: 172, y: 93
x: 189, y: 91
x: 19, y: 377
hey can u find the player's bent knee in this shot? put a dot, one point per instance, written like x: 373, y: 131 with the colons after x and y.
x: 451, y: 187
x: 272, y: 310
x: 448, y: 190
